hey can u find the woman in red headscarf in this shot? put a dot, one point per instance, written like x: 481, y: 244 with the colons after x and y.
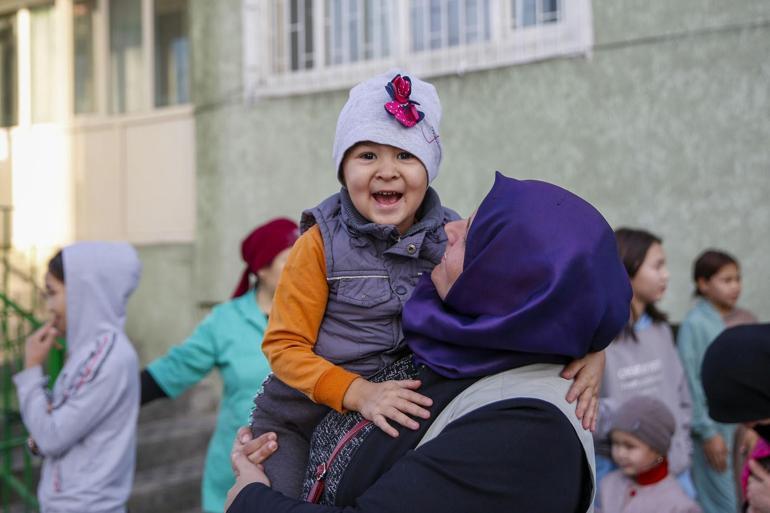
x: 230, y: 339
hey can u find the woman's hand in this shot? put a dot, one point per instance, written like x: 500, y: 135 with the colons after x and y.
x: 716, y: 452
x: 246, y: 473
x: 246, y: 459
x: 758, y: 489
x: 257, y: 450
x: 587, y: 373
x: 748, y: 440
x: 39, y: 344
x: 392, y: 400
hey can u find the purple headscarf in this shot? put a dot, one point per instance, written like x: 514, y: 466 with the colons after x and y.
x: 542, y: 282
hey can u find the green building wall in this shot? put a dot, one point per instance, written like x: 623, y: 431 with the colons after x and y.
x: 664, y: 126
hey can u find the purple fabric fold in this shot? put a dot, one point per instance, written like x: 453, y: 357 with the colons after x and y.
x: 542, y: 282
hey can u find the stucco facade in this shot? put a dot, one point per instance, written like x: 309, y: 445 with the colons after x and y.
x: 664, y: 125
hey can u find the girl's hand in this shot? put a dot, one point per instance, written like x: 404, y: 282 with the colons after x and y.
x: 758, y: 489
x: 587, y: 373
x: 257, y: 450
x: 748, y: 440
x: 246, y: 473
x: 716, y: 453
x: 392, y: 400
x: 38, y: 345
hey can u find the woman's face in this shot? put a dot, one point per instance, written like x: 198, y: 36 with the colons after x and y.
x: 723, y: 288
x: 445, y: 274
x: 269, y: 275
x: 56, y: 302
x: 651, y: 279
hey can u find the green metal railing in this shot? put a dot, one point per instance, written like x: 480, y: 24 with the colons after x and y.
x: 18, y: 474
x: 16, y: 468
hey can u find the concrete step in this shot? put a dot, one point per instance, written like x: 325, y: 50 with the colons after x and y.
x: 193, y: 510
x: 163, y: 441
x: 172, y: 440
x: 174, y: 486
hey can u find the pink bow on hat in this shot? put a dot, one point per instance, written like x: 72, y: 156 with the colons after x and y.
x: 402, y: 108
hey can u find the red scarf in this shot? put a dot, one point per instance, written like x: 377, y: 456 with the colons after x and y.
x: 654, y: 475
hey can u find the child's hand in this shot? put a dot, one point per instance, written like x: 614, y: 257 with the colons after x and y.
x: 257, y: 450
x: 388, y: 400
x: 748, y: 440
x: 39, y: 344
x: 587, y: 373
x: 716, y: 452
x: 758, y: 489
x: 246, y: 473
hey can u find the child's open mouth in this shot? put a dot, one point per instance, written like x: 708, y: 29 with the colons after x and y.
x: 387, y: 197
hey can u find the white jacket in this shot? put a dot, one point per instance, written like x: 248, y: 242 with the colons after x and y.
x: 86, y: 429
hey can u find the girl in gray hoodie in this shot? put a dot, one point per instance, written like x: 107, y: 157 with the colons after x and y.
x: 85, y: 429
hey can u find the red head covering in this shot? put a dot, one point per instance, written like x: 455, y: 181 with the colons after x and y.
x: 262, y: 245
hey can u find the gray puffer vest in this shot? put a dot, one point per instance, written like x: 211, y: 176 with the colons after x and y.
x: 371, y: 271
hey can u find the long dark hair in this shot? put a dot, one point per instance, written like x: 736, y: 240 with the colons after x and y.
x: 633, y: 245
x: 56, y: 266
x: 708, y: 264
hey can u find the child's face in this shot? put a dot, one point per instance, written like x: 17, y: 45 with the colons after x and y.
x: 56, y: 302
x: 650, y: 281
x: 386, y: 184
x: 632, y: 455
x: 723, y: 288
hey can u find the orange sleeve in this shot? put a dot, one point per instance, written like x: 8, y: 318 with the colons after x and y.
x: 298, y: 309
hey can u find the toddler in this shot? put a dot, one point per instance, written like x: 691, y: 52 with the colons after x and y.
x: 336, y: 317
x: 641, y: 436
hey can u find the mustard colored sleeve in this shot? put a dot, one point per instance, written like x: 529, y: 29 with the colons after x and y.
x: 298, y: 309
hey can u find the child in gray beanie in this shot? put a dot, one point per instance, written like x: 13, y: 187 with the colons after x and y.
x: 336, y: 317
x: 641, y: 436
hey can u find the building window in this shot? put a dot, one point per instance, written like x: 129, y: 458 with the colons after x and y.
x: 149, y: 54
x: 527, y: 13
x: 439, y: 24
x: 127, y: 73
x: 303, y: 46
x: 42, y: 63
x: 172, y: 53
x: 293, y: 37
x: 8, y: 71
x: 356, y: 31
x: 84, y: 19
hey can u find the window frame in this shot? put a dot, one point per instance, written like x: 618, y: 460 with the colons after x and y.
x: 570, y: 35
x: 102, y: 66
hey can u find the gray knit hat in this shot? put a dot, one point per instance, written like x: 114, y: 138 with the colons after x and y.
x: 649, y: 420
x: 365, y: 118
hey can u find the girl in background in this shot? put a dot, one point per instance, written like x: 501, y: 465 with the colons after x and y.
x: 642, y: 360
x: 717, y: 289
x: 85, y: 430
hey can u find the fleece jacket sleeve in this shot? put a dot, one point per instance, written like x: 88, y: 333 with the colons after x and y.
x: 298, y: 309
x: 58, y: 427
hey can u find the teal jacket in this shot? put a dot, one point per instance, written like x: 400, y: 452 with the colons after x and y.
x: 229, y: 339
x: 698, y: 330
